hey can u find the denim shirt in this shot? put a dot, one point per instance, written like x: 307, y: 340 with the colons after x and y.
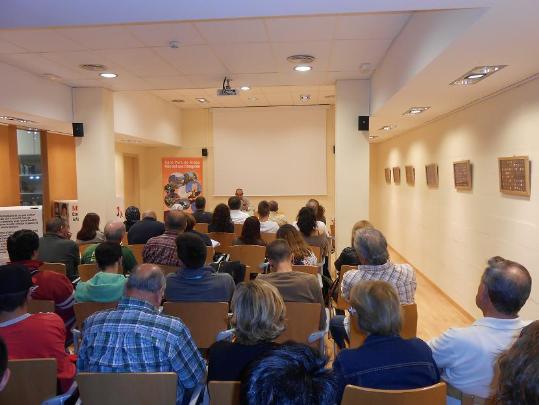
x: 387, y: 362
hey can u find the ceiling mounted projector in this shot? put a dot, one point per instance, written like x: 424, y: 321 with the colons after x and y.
x: 227, y: 90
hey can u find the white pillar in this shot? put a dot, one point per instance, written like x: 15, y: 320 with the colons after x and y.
x: 351, y: 158
x: 95, y: 152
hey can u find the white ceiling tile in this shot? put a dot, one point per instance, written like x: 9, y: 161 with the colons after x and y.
x: 370, y: 26
x: 247, y: 58
x: 207, y: 80
x: 333, y: 76
x: 348, y: 55
x: 192, y: 60
x: 255, y: 79
x: 161, y: 34
x: 6, y: 47
x: 101, y: 37
x: 40, y: 40
x: 279, y: 98
x: 301, y: 28
x: 169, y: 82
x: 232, y: 31
x: 37, y: 64
x: 309, y: 78
x: 319, y: 49
x: 73, y: 60
x: 142, y: 62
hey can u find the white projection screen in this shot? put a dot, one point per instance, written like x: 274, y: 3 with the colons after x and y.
x: 270, y: 151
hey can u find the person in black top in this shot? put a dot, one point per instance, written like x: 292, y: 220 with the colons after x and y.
x: 250, y: 233
x: 132, y: 216
x: 349, y: 256
x: 191, y: 222
x: 258, y: 318
x: 146, y: 229
x: 201, y: 216
x: 221, y: 221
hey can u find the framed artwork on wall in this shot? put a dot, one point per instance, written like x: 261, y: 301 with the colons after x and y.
x: 462, y: 174
x: 387, y: 173
x: 397, y: 175
x: 431, y: 172
x: 515, y: 175
x: 410, y: 175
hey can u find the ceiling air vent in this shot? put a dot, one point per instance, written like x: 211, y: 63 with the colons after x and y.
x: 301, y: 59
x: 93, y: 67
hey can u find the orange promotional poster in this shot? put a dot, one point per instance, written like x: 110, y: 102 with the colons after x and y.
x: 182, y: 182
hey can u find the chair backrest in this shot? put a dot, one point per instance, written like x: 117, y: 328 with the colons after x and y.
x: 250, y: 255
x: 87, y: 271
x: 302, y: 319
x: 433, y: 395
x: 84, y: 309
x: 237, y: 229
x: 314, y: 270
x: 59, y: 268
x: 268, y: 237
x: 168, y: 269
x: 225, y: 239
x: 127, y: 388
x: 201, y: 227
x: 341, y: 302
x: 204, y: 319
x: 36, y: 306
x: 317, y: 252
x: 32, y: 381
x: 224, y: 392
x: 210, y: 252
x: 137, y: 252
x: 124, y: 240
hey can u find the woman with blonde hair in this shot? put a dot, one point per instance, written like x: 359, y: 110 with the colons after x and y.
x: 258, y: 319
x: 301, y: 253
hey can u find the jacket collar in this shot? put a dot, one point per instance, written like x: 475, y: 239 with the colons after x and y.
x: 135, y: 303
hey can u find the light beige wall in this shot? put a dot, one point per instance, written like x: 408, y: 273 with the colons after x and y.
x: 197, y: 134
x: 448, y: 234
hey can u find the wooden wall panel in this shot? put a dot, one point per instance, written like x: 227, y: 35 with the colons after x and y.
x: 9, y: 167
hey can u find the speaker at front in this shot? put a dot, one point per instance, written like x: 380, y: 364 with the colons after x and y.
x: 205, y: 152
x: 78, y: 129
x: 363, y: 123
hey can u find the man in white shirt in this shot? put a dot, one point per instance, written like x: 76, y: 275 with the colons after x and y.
x: 467, y: 356
x: 266, y: 225
x: 236, y: 214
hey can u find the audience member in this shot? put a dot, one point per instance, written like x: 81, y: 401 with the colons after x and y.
x: 250, y: 233
x: 349, y: 256
x: 275, y: 215
x: 142, y: 231
x: 135, y: 337
x: 162, y: 249
x: 266, y: 224
x: 114, y: 232
x: 194, y: 281
x: 371, y: 247
x: 132, y: 216
x: 518, y: 370
x: 89, y: 232
x: 221, y: 220
x: 56, y: 247
x: 236, y: 214
x: 22, y: 249
x: 190, y: 228
x: 5, y: 372
x: 258, y: 316
x: 292, y: 374
x: 319, y: 211
x: 311, y: 232
x: 245, y: 203
x: 385, y: 360
x: 466, y: 356
x: 201, y: 215
x: 294, y: 286
x: 108, y: 284
x: 302, y: 254
x: 31, y: 336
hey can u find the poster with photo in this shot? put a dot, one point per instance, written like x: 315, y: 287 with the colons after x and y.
x: 182, y: 182
x: 69, y: 210
x: 13, y: 219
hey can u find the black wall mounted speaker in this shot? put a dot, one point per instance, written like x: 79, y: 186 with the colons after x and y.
x: 204, y: 152
x: 78, y: 129
x: 363, y: 123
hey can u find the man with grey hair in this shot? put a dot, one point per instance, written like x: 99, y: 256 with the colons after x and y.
x: 114, y: 232
x: 135, y: 337
x: 371, y: 247
x: 145, y: 229
x: 162, y: 249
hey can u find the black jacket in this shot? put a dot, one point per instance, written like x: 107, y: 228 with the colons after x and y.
x: 143, y: 230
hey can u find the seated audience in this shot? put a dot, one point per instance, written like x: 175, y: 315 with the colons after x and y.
x: 319, y: 210
x: 31, y: 336
x: 194, y: 281
x: 467, y: 356
x: 89, y: 232
x: 294, y: 286
x: 371, y: 246
x: 114, y: 232
x: 518, y: 368
x: 349, y: 256
x: 302, y: 255
x: 201, y: 215
x: 275, y: 215
x: 142, y: 231
x: 385, y: 360
x: 220, y: 220
x: 250, y: 233
x: 22, y: 249
x: 132, y: 216
x: 292, y: 374
x: 307, y: 225
x: 56, y: 247
x: 258, y: 318
x: 5, y: 372
x: 245, y: 203
x: 266, y: 224
x: 162, y: 249
x: 135, y: 337
x: 190, y: 228
x: 108, y: 284
x: 236, y: 214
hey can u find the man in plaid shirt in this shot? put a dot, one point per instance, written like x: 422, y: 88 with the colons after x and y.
x: 136, y: 338
x: 162, y: 249
x: 371, y: 247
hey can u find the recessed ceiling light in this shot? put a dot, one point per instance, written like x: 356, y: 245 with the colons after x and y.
x: 304, y: 97
x: 93, y: 67
x: 245, y: 88
x: 51, y: 76
x: 415, y: 110
x: 252, y: 99
x: 302, y: 68
x: 108, y: 75
x: 178, y: 100
x: 387, y: 127
x: 365, y: 68
x: 201, y: 100
x: 477, y: 74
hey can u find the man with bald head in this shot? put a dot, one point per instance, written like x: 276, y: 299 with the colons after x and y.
x: 162, y: 249
x: 145, y: 229
x: 467, y: 356
x: 135, y: 337
x: 114, y: 232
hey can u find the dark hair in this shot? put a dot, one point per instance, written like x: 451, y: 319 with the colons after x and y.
x: 234, y: 203
x: 278, y: 251
x: 176, y: 221
x: 191, y: 250
x: 306, y: 221
x: 250, y: 233
x: 518, y: 381
x: 22, y: 244
x: 371, y: 245
x: 273, y: 206
x: 132, y: 214
x: 190, y: 222
x: 55, y: 224
x: 263, y: 208
x: 3, y: 358
x: 321, y: 214
x: 107, y: 253
x: 220, y: 219
x: 90, y: 226
x: 291, y: 374
x: 507, y: 290
x: 11, y: 301
x: 200, y: 203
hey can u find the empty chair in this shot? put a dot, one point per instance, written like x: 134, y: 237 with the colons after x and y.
x: 250, y: 255
x: 268, y: 237
x: 36, y: 306
x: 137, y: 252
x: 314, y: 270
x: 224, y: 239
x: 56, y: 267
x: 201, y: 227
x: 84, y: 309
x: 237, y: 229
x: 224, y: 392
x: 87, y: 271
x: 433, y: 395
x: 341, y: 302
x: 302, y: 324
